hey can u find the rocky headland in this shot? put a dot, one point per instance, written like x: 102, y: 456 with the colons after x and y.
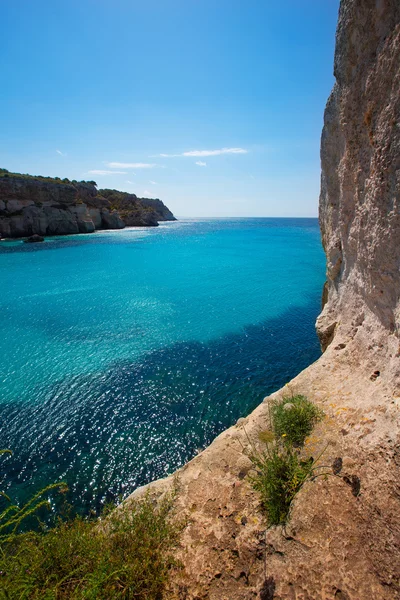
x: 44, y: 206
x: 342, y: 540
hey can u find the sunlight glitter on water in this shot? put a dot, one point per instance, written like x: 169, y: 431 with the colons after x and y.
x: 125, y: 351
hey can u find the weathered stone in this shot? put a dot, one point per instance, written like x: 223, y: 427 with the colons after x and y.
x: 95, y: 216
x: 111, y: 220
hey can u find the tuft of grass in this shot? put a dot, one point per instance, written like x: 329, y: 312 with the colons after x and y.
x: 280, y: 471
x: 280, y: 474
x: 293, y: 419
x: 127, y: 556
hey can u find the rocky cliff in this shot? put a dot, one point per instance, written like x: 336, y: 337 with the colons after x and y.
x: 342, y: 541
x: 134, y: 210
x: 360, y: 184
x: 45, y: 206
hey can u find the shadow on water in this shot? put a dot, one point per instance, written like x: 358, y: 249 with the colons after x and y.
x: 108, y: 432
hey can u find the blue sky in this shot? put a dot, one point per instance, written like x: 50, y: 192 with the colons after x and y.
x: 214, y: 106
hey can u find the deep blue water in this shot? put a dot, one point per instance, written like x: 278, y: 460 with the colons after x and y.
x: 124, y: 352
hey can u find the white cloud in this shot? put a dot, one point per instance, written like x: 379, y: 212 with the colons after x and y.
x: 208, y: 152
x: 201, y: 163
x: 147, y: 192
x: 215, y: 152
x: 101, y: 172
x: 60, y: 153
x: 130, y: 182
x: 153, y: 182
x: 118, y: 165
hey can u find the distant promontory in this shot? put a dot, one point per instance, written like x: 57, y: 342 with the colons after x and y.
x: 46, y: 206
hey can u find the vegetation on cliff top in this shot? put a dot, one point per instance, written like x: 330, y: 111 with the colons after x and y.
x: 123, y: 200
x: 127, y: 554
x: 8, y: 174
x: 293, y: 419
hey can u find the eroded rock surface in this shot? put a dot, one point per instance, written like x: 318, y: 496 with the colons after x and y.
x: 360, y: 183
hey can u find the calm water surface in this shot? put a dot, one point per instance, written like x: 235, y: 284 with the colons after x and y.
x: 124, y: 352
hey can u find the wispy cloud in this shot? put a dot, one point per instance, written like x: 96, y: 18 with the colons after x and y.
x: 130, y: 182
x: 207, y: 152
x: 216, y: 152
x: 60, y: 153
x: 147, y: 192
x: 102, y: 172
x: 118, y: 165
x: 153, y: 182
x: 201, y: 163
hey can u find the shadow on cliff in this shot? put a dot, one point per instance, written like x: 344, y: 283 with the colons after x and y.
x: 108, y: 432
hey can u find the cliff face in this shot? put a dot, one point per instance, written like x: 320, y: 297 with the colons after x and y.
x: 360, y: 184
x: 134, y: 210
x: 35, y: 205
x: 162, y: 211
x: 342, y: 541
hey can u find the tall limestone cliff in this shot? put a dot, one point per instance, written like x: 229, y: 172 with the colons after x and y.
x: 342, y: 540
x: 360, y: 184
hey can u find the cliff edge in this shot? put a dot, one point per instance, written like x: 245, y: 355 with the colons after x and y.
x: 35, y: 205
x: 342, y: 541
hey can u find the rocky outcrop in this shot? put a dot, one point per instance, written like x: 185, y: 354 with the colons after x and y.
x: 342, y: 541
x: 360, y: 184
x: 162, y: 212
x: 137, y: 211
x: 44, y: 206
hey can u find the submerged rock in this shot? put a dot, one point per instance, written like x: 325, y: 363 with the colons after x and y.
x: 34, y: 238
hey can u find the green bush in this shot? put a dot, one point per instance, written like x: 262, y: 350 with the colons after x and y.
x: 8, y: 174
x: 127, y: 556
x: 293, y: 419
x: 279, y: 476
x: 280, y: 471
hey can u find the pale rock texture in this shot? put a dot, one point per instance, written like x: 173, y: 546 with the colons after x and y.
x: 360, y: 183
x: 342, y: 541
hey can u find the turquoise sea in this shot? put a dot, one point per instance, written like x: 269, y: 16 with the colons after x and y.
x: 124, y: 352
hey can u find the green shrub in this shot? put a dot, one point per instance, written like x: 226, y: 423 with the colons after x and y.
x: 129, y: 556
x: 280, y: 473
x: 126, y: 554
x: 293, y: 419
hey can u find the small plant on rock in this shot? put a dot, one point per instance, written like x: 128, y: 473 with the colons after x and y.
x: 293, y: 419
x: 280, y: 470
x: 280, y: 473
